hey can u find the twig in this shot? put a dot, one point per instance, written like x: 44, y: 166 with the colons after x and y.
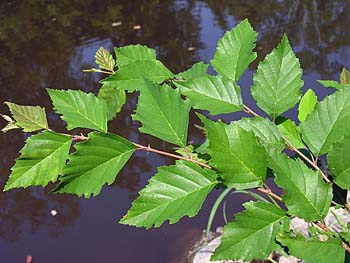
x: 305, y: 158
x: 270, y: 193
x: 149, y: 149
x: 250, y: 111
x: 98, y: 71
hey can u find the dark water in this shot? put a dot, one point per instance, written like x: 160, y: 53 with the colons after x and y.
x: 47, y: 43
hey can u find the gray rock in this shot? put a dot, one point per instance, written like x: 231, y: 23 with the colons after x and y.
x: 204, y: 254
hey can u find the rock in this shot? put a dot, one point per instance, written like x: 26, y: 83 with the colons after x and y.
x: 333, y: 223
x: 298, y: 225
x: 289, y: 259
x: 204, y: 254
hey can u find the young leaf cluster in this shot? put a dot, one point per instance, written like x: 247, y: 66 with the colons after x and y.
x: 239, y: 155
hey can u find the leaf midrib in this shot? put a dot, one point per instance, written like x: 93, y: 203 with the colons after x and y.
x: 84, y: 117
x: 271, y: 224
x: 170, y: 202
x: 236, y: 157
x: 301, y: 192
x: 332, y: 125
x: 102, y: 164
x: 181, y: 143
x: 42, y: 160
x: 32, y: 121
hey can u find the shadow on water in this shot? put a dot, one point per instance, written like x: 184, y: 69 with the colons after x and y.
x: 47, y: 44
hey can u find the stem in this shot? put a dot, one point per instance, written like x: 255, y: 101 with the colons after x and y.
x: 149, y: 149
x: 98, y: 70
x: 270, y: 197
x: 306, y: 159
x: 270, y: 193
x: 250, y: 111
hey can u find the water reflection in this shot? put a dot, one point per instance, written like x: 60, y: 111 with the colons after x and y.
x: 47, y: 43
x: 317, y: 29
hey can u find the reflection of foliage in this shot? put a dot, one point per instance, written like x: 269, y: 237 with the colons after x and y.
x: 38, y: 42
x: 38, y: 39
x: 317, y: 28
x: 46, y: 34
x: 31, y: 206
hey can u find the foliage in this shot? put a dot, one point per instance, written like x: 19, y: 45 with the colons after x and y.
x: 173, y: 192
x: 277, y: 81
x: 260, y: 221
x: 215, y: 94
x: 29, y: 118
x: 238, y: 155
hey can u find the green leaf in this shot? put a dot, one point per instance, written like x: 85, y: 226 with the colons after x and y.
x: 132, y: 53
x: 277, y: 81
x: 328, y: 123
x: 131, y: 76
x: 252, y: 234
x: 236, y: 154
x: 115, y: 99
x: 80, y: 109
x: 234, y: 52
x: 198, y: 70
x: 41, y: 160
x: 306, y: 194
x: 291, y: 132
x: 29, y: 118
x: 307, y: 104
x: 345, y: 76
x: 333, y: 84
x: 163, y: 113
x: 314, y: 250
x: 264, y: 129
x: 104, y: 59
x: 95, y: 162
x: 175, y: 191
x: 214, y: 94
x: 339, y: 162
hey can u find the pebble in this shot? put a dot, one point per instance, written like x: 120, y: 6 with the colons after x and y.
x: 53, y: 212
x: 119, y: 23
x: 29, y: 259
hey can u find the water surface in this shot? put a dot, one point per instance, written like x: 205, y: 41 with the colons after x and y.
x: 46, y: 44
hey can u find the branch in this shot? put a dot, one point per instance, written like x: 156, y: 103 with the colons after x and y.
x: 149, y: 149
x: 305, y: 158
x: 98, y: 71
x: 250, y: 111
x: 270, y: 193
